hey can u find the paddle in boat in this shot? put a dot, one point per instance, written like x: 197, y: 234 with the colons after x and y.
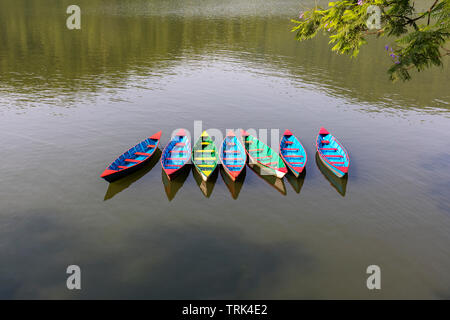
x: 133, y: 159
x: 176, y: 154
x: 263, y: 156
x: 293, y: 153
x: 232, y: 156
x: 204, y: 156
x: 332, y: 153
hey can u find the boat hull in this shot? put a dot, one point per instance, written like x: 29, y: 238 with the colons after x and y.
x: 295, y: 173
x: 338, y: 173
x: 233, y: 178
x: 338, y: 183
x: 175, y: 174
x: 293, y: 153
x: 202, y: 175
x: 266, y: 171
x: 176, y: 154
x: 133, y: 159
x: 121, y: 174
x: 233, y: 157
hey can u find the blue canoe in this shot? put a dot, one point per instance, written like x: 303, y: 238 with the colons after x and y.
x: 332, y: 153
x: 133, y: 159
x: 176, y: 154
x: 232, y: 156
x: 293, y: 153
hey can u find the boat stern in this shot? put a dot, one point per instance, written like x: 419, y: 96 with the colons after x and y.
x: 233, y: 174
x: 156, y: 136
x: 281, y: 172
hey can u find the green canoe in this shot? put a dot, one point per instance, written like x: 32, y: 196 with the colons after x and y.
x: 263, y: 156
x: 205, y: 156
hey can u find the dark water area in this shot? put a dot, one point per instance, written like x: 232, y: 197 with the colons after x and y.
x: 71, y: 101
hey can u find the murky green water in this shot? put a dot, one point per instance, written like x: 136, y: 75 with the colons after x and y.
x: 71, y: 101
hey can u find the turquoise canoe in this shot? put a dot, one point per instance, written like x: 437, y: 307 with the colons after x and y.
x: 332, y: 153
x: 293, y: 153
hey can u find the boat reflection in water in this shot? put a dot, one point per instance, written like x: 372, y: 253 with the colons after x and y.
x: 206, y: 186
x: 295, y: 182
x: 121, y: 184
x: 233, y: 186
x: 172, y: 186
x: 340, y: 184
x: 266, y: 175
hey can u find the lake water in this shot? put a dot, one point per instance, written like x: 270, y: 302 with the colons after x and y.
x: 71, y: 101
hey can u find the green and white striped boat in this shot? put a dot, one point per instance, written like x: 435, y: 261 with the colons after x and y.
x: 264, y: 156
x: 205, y: 156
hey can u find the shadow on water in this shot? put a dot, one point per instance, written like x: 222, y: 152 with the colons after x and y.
x: 120, y: 185
x: 206, y: 186
x: 296, y: 183
x: 172, y: 186
x: 233, y: 186
x: 273, y: 181
x: 340, y: 184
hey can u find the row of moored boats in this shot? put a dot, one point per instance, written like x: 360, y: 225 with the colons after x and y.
x: 233, y: 155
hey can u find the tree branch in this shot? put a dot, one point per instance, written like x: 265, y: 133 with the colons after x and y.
x: 368, y: 33
x: 447, y: 52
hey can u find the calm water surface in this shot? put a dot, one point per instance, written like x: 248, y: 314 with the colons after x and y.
x: 71, y: 101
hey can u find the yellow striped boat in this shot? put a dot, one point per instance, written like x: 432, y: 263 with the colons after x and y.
x: 205, y: 156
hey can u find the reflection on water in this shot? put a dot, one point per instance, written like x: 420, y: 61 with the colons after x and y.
x: 172, y: 186
x: 340, y: 184
x: 233, y: 186
x: 121, y: 184
x: 40, y: 58
x: 162, y: 64
x: 205, y: 186
x: 295, y: 182
x: 275, y: 182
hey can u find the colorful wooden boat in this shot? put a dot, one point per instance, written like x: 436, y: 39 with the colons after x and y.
x: 122, y: 184
x: 332, y: 153
x: 340, y: 184
x: 264, y: 156
x: 232, y: 156
x: 176, y: 154
x: 293, y: 153
x: 204, y: 156
x: 133, y: 159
